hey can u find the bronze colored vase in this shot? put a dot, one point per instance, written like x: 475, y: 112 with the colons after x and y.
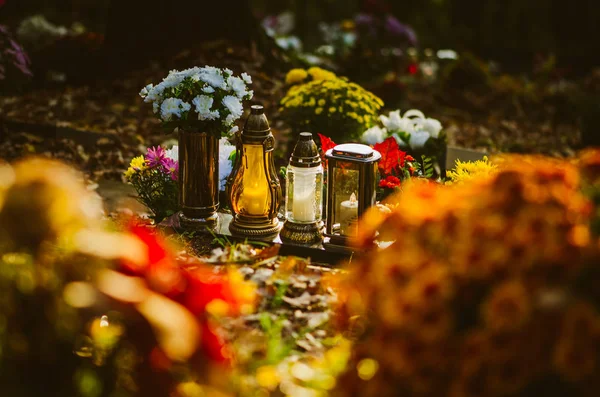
x: 198, y: 179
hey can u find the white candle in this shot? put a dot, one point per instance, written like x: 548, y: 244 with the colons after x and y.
x: 303, y: 205
x: 348, y: 215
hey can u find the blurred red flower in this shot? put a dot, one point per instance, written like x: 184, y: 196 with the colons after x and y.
x: 391, y: 182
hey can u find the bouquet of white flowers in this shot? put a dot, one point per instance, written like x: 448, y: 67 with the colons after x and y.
x: 207, y: 95
x: 416, y: 134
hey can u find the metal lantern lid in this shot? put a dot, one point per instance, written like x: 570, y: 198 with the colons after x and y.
x: 257, y: 124
x: 306, y: 153
x: 356, y: 152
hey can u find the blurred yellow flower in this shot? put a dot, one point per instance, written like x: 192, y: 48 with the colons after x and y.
x: 47, y: 201
x: 296, y: 76
x: 318, y: 74
x: 267, y: 377
x: 508, y: 307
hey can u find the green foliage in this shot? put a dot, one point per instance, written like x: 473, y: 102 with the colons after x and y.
x: 157, y: 191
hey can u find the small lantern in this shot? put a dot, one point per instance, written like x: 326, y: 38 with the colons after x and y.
x: 352, y: 176
x: 254, y: 189
x: 304, y: 198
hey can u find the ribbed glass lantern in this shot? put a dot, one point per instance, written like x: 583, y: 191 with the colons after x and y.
x: 254, y: 191
x: 304, y: 198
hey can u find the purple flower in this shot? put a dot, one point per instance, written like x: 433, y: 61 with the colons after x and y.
x: 395, y: 27
x: 171, y: 167
x: 156, y: 156
x: 11, y: 51
x: 364, y: 19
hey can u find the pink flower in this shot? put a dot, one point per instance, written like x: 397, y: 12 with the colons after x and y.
x: 156, y: 156
x: 171, y: 167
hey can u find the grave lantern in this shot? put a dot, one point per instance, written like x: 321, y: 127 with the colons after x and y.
x: 254, y: 189
x: 304, y: 194
x: 352, y: 176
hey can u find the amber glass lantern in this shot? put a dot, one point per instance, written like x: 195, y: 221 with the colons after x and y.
x: 304, y: 194
x: 352, y: 177
x: 254, y: 189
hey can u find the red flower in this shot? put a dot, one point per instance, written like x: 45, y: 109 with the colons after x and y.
x: 204, y: 286
x: 326, y: 144
x: 391, y: 182
x: 412, y: 68
x: 409, y: 158
x: 158, y: 267
x: 391, y: 156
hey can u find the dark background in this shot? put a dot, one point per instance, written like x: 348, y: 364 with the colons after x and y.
x: 512, y: 32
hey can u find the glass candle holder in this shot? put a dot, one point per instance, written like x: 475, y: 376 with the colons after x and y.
x: 304, y: 197
x: 254, y: 190
x: 352, y: 176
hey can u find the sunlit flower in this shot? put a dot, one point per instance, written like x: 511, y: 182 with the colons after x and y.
x: 156, y: 156
x: 203, y: 104
x: 418, y: 139
x: 234, y: 106
x: 469, y: 170
x: 374, y: 135
x: 295, y: 76
x: 173, y: 107
x: 238, y: 86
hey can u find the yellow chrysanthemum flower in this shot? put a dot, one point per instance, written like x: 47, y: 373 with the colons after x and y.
x: 319, y: 74
x: 138, y: 162
x: 470, y: 170
x: 130, y: 172
x: 296, y: 76
x: 318, y: 110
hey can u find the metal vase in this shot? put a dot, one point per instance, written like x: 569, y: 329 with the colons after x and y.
x: 198, y: 179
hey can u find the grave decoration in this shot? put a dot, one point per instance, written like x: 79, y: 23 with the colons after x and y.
x: 416, y: 134
x: 304, y: 198
x: 352, y: 177
x: 320, y: 101
x: 202, y: 104
x: 254, y: 189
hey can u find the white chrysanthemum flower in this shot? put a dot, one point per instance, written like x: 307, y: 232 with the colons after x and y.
x: 412, y: 113
x: 213, y: 77
x: 432, y: 126
x: 144, y: 92
x: 203, y: 103
x: 173, y: 107
x: 208, y: 89
x: 393, y: 122
x: 238, y: 86
x: 228, y: 71
x: 246, y: 77
x: 155, y: 107
x: 418, y: 139
x: 173, y: 153
x: 250, y: 94
x: 234, y: 106
x: 225, y: 165
x: 374, y: 135
x: 233, y: 130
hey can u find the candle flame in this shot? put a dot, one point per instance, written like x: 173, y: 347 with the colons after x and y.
x: 353, y: 198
